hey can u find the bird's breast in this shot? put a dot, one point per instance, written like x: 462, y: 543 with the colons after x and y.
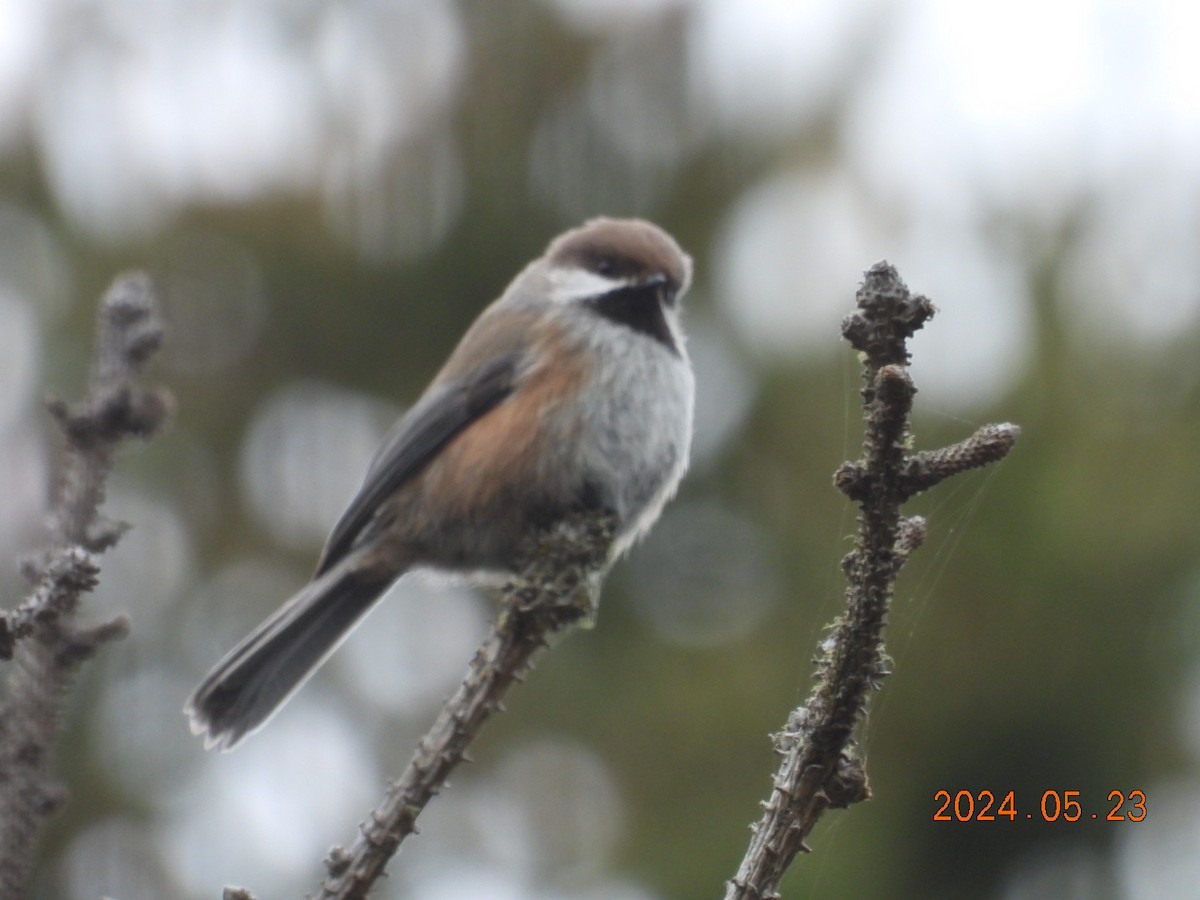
x: 601, y: 420
x: 637, y: 410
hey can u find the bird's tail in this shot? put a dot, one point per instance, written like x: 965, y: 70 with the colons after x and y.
x: 258, y: 675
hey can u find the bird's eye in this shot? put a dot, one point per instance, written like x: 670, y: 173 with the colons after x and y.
x: 606, y: 265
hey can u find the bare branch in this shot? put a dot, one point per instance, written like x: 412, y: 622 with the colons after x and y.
x: 820, y: 768
x: 556, y: 589
x: 41, y: 635
x: 930, y: 467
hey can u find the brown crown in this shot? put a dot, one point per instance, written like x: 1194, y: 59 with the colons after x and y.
x: 631, y: 249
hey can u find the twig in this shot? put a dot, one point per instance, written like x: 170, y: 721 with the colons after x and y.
x: 820, y: 768
x: 41, y: 636
x: 556, y: 589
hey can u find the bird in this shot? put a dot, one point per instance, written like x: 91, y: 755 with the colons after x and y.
x: 572, y: 391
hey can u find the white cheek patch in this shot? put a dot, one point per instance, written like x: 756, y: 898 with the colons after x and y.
x: 570, y: 285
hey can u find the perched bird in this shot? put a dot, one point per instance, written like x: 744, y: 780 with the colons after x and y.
x: 571, y: 391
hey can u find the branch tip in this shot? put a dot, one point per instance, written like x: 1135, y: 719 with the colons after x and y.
x: 819, y: 766
x: 42, y: 633
x: 987, y: 445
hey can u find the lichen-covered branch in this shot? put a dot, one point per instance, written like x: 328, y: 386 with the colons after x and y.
x: 820, y: 768
x: 555, y: 589
x: 41, y: 637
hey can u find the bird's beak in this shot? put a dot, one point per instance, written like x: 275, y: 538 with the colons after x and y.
x: 662, y: 286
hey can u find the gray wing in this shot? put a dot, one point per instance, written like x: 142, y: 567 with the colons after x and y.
x: 449, y: 406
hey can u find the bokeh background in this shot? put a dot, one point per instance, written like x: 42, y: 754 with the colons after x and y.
x: 328, y: 191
